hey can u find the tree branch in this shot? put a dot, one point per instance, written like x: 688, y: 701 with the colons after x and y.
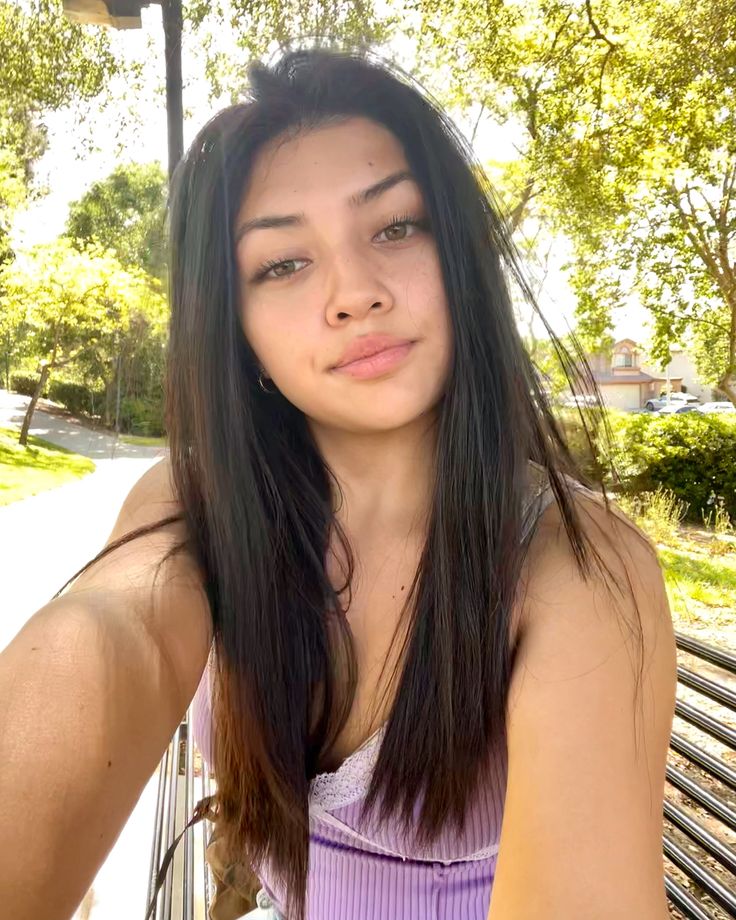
x: 594, y: 26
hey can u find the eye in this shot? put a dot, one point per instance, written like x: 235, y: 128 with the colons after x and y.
x: 278, y: 269
x: 400, y: 227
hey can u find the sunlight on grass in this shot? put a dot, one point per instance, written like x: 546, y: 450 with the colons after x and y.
x: 40, y: 466
x: 143, y: 441
x: 699, y: 565
x: 702, y: 589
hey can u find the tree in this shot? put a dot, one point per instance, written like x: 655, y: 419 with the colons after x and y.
x: 628, y: 115
x: 263, y: 27
x: 125, y: 212
x: 77, y: 308
x: 46, y: 63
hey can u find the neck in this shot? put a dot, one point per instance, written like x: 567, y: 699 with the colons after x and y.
x: 385, y: 478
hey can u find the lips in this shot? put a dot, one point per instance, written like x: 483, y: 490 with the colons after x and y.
x: 368, y: 346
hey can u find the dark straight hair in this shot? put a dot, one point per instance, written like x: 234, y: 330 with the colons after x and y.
x: 257, y: 496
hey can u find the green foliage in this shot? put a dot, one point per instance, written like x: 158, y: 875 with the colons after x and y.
x: 46, y: 63
x: 126, y: 213
x: 25, y: 384
x: 629, y: 121
x: 659, y: 513
x: 76, y: 397
x: 692, y: 455
x: 82, y: 311
x: 142, y: 416
x: 261, y: 28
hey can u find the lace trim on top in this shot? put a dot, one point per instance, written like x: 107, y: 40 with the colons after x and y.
x: 349, y: 783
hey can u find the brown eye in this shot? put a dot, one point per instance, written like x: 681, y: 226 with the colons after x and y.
x: 397, y: 232
x: 279, y: 269
x: 401, y: 229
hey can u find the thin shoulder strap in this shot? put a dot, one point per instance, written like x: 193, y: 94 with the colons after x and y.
x: 539, y: 497
x: 203, y: 809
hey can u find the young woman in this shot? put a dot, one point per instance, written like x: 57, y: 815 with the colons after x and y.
x: 442, y: 666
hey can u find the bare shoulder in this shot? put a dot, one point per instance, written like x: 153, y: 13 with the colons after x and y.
x: 623, y: 573
x: 149, y: 576
x: 590, y: 709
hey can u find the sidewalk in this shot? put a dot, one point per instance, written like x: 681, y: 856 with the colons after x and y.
x: 44, y: 540
x: 55, y: 424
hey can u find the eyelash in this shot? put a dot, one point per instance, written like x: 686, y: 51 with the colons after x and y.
x: 422, y: 223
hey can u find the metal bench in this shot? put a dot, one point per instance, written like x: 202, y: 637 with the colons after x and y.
x: 700, y: 802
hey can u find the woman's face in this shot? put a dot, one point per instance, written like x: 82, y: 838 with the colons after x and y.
x: 342, y: 298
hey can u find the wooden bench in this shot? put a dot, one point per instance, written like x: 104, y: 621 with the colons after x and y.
x: 700, y: 802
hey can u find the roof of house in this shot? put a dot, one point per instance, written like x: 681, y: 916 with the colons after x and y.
x: 603, y: 379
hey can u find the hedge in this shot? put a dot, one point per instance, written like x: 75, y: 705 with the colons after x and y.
x: 77, y: 397
x: 26, y: 384
x: 692, y: 454
x: 142, y: 416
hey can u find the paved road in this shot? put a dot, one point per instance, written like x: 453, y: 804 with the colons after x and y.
x: 43, y: 541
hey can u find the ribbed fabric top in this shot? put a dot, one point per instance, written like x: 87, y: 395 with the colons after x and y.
x: 365, y: 870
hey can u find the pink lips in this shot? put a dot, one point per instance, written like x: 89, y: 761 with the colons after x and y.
x: 373, y: 355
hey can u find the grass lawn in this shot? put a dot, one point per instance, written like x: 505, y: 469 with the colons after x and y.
x: 28, y: 470
x: 701, y: 583
x: 142, y: 441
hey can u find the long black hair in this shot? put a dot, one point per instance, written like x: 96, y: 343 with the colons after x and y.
x: 257, y: 495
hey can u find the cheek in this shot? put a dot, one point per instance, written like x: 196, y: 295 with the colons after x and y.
x: 282, y: 339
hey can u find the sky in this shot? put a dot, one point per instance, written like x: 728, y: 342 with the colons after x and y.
x: 80, y: 154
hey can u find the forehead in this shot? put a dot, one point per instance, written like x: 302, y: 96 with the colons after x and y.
x: 326, y: 163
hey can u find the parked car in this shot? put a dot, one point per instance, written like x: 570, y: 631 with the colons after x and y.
x: 718, y: 408
x: 583, y: 401
x: 676, y: 408
x: 678, y: 398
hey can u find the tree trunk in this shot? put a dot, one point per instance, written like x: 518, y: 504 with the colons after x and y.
x: 45, y: 371
x: 727, y: 383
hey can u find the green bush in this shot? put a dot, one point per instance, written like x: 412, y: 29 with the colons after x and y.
x: 25, y: 384
x: 142, y: 416
x: 77, y: 397
x: 692, y: 455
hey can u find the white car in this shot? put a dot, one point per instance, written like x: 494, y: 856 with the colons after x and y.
x: 676, y: 408
x: 678, y: 399
x: 718, y: 408
x: 580, y: 401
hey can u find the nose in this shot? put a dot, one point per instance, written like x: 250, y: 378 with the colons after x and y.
x: 355, y: 290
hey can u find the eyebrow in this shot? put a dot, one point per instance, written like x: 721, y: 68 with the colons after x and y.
x: 292, y: 220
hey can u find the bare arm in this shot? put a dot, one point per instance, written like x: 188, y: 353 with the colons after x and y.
x: 588, y: 732
x: 92, y: 689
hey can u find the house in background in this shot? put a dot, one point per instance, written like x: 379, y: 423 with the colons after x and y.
x: 627, y: 383
x: 683, y: 366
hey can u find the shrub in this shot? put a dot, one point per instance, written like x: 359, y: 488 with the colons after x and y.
x: 25, y: 384
x: 692, y: 455
x: 658, y: 513
x: 77, y: 397
x: 142, y: 416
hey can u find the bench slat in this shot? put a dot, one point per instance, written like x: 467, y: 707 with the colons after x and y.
x: 702, y: 796
x: 707, y: 723
x: 723, y: 896
x: 700, y: 834
x: 713, y: 765
x: 710, y: 688
x: 718, y: 656
x: 684, y: 901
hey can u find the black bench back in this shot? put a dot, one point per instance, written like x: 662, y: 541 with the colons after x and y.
x: 700, y: 803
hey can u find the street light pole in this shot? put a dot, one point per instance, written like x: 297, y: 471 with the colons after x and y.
x: 126, y: 14
x: 172, y: 21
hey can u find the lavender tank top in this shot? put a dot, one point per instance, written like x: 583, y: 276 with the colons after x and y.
x: 366, y: 870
